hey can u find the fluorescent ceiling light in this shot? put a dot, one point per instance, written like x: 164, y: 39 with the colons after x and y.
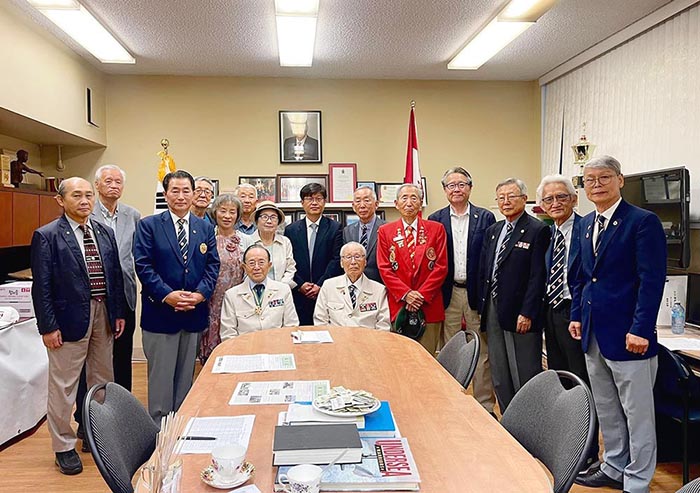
x: 55, y: 4
x: 525, y: 10
x: 80, y: 25
x: 492, y: 39
x: 295, y: 40
x: 296, y: 7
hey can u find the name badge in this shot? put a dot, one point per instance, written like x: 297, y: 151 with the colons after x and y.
x: 522, y: 244
x: 368, y: 307
x: 274, y: 303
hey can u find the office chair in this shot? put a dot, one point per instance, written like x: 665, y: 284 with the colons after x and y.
x: 554, y: 424
x: 677, y: 396
x: 459, y: 357
x: 120, y: 432
x: 692, y: 487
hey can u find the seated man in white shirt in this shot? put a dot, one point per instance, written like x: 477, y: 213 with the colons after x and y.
x: 353, y: 299
x: 258, y: 302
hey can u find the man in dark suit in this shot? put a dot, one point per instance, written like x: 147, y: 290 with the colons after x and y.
x: 557, y: 196
x: 365, y: 204
x: 617, y: 285
x: 177, y: 264
x: 316, y: 242
x: 301, y: 146
x: 512, y: 275
x: 465, y: 225
x: 78, y: 298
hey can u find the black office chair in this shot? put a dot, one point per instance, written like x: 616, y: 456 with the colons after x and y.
x: 459, y: 356
x: 554, y: 424
x: 677, y: 396
x: 120, y: 432
x: 692, y: 487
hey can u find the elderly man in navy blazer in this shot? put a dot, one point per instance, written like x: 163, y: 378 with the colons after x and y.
x: 364, y: 231
x: 617, y: 286
x: 78, y: 298
x: 465, y: 224
x: 177, y: 264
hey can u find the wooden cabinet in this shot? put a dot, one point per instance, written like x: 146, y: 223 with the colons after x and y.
x: 48, y: 209
x: 5, y: 220
x: 23, y: 211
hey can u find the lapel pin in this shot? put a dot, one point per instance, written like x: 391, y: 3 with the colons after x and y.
x: 194, y: 231
x: 493, y: 237
x: 476, y: 216
x: 522, y: 231
x: 614, y: 223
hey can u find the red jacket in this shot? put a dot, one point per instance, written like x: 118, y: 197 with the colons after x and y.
x: 431, y: 266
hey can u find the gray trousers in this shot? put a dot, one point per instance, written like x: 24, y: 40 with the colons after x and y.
x: 624, y: 400
x: 171, y: 359
x: 515, y: 358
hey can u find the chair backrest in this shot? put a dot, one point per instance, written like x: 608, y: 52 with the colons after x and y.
x: 459, y: 356
x: 675, y: 380
x: 120, y: 432
x: 692, y: 487
x: 554, y: 424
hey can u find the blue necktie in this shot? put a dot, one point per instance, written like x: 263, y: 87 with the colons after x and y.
x: 556, y: 273
x: 353, y: 299
x: 601, y: 230
x: 182, y: 238
x: 499, y: 258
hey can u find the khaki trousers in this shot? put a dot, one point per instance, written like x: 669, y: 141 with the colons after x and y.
x: 65, y: 364
x: 460, y: 309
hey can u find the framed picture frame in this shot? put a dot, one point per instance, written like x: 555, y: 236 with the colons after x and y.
x: 266, y: 186
x: 336, y: 216
x: 289, y: 186
x: 216, y: 189
x: 424, y: 182
x: 381, y: 214
x: 350, y: 219
x: 386, y: 192
x: 368, y: 184
x: 300, y: 136
x: 343, y: 181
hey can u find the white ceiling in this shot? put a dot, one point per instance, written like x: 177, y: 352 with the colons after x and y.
x: 367, y: 39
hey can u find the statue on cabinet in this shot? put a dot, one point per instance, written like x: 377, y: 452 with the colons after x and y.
x: 19, y: 167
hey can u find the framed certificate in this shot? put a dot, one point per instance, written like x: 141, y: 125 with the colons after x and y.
x: 343, y: 181
x: 386, y: 192
x: 289, y: 186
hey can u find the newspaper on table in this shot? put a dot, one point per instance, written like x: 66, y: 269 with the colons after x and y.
x: 201, y: 435
x: 278, y: 392
x: 311, y: 336
x: 247, y: 363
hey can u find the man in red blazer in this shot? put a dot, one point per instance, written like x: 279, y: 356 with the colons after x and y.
x: 412, y: 260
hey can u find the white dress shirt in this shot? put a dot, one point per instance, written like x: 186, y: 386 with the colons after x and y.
x: 460, y: 238
x: 79, y: 235
x: 186, y: 225
x: 607, y: 214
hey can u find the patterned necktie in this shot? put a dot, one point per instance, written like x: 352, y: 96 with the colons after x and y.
x: 353, y: 298
x: 96, y: 273
x: 258, y: 290
x: 556, y: 273
x: 363, y: 237
x: 499, y: 258
x: 182, y: 238
x: 601, y: 229
x: 411, y: 245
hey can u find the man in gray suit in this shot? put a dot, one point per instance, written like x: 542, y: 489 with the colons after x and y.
x: 109, y: 184
x: 364, y: 231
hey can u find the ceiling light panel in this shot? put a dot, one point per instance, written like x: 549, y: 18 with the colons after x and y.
x: 296, y: 7
x: 492, y: 39
x: 296, y: 37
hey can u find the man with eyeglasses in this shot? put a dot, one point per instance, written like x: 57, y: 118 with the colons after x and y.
x: 203, y: 195
x: 512, y: 276
x: 248, y: 196
x: 616, y: 284
x: 258, y: 303
x: 352, y: 300
x: 364, y: 231
x: 465, y: 225
x: 316, y: 241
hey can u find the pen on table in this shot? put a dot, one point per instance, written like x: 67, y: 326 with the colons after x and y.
x: 197, y: 438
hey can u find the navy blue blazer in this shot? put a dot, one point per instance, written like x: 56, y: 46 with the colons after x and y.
x: 61, y: 288
x: 161, y: 270
x: 479, y: 221
x: 326, y: 262
x: 619, y: 291
x: 522, y: 275
x: 574, y: 250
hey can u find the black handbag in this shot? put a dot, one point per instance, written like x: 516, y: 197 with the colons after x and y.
x: 410, y: 324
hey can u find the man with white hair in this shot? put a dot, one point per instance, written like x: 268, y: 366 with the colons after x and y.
x: 352, y: 300
x: 248, y: 195
x: 203, y: 196
x: 364, y: 231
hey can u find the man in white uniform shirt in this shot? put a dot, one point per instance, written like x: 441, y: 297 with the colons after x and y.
x: 353, y: 299
x: 258, y: 302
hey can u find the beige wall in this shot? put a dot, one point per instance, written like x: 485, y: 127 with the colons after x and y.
x: 8, y: 143
x: 44, y: 80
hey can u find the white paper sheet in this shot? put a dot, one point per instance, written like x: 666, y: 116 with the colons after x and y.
x: 247, y: 363
x: 225, y: 430
x: 282, y: 392
x: 305, y: 413
x: 311, y: 336
x: 680, y: 343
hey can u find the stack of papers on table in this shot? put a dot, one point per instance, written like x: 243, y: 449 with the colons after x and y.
x: 246, y: 363
x: 282, y: 392
x: 311, y: 336
x: 680, y: 343
x: 201, y: 435
x: 316, y: 444
x: 305, y: 414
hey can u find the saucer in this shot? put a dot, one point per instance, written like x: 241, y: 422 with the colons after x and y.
x: 210, y: 477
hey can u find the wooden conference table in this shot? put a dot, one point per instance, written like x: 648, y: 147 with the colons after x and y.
x: 457, y: 445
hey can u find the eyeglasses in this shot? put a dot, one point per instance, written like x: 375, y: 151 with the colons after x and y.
x: 318, y: 200
x: 203, y: 191
x: 508, y: 198
x: 459, y: 185
x: 603, y: 180
x: 256, y: 263
x: 269, y: 217
x: 561, y: 197
x: 350, y: 258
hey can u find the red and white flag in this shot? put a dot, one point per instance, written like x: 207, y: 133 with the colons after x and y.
x: 413, y: 174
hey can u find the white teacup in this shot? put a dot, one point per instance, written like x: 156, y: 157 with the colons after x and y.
x: 227, y: 460
x: 304, y: 478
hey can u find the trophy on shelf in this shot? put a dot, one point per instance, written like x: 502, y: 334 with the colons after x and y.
x: 583, y: 149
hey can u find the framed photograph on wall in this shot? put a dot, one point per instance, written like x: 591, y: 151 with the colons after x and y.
x: 386, y: 192
x: 351, y: 219
x: 300, y: 136
x: 381, y: 214
x: 266, y: 186
x: 368, y: 184
x: 333, y: 215
x: 216, y: 189
x: 343, y: 180
x: 289, y: 186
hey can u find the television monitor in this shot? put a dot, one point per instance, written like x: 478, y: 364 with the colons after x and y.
x: 692, y: 303
x: 666, y: 193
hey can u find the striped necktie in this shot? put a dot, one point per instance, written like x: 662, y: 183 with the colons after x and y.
x: 363, y: 237
x: 556, y: 273
x: 353, y: 297
x: 182, y: 238
x: 411, y: 245
x: 96, y: 273
x: 499, y: 258
x: 601, y: 229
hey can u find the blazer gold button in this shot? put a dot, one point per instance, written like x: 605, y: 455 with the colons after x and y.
x: 595, y: 279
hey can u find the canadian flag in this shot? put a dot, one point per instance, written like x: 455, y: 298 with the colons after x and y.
x: 413, y: 174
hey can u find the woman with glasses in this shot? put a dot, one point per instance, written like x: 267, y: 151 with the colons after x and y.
x: 229, y: 244
x: 268, y: 218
